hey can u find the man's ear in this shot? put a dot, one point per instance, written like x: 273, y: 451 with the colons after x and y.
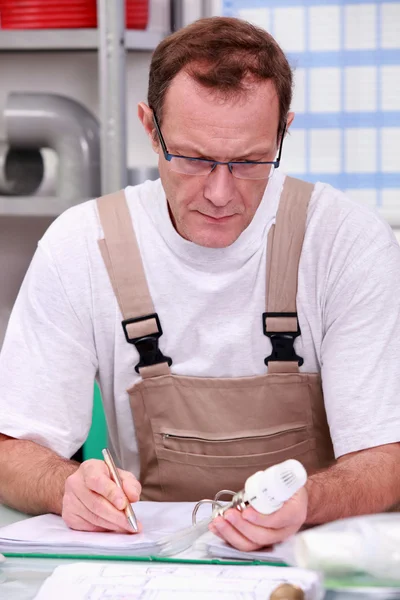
x: 289, y: 121
x: 145, y: 115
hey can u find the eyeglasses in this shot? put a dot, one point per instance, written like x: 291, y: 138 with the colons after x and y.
x: 189, y: 165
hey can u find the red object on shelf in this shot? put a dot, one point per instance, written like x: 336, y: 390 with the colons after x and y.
x: 137, y: 14
x: 48, y: 14
x: 55, y: 14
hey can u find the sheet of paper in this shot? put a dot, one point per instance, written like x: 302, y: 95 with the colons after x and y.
x: 173, y: 582
x: 217, y: 548
x: 49, y: 533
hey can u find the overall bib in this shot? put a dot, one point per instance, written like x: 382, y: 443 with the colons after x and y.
x: 198, y: 435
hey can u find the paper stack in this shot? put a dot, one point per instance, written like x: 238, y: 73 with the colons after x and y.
x: 48, y: 534
x: 217, y: 548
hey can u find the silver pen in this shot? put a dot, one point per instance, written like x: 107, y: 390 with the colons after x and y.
x: 130, y: 515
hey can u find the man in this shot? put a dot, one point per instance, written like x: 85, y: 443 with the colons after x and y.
x: 223, y: 377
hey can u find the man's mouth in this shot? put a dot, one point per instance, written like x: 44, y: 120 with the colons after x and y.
x: 222, y: 219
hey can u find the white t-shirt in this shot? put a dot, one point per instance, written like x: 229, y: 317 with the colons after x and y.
x: 65, y: 328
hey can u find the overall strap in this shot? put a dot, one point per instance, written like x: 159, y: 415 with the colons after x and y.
x: 121, y: 255
x: 285, y: 242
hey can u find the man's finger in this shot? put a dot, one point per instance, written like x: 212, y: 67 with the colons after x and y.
x: 214, y: 530
x: 233, y: 536
x: 101, y: 512
x: 80, y: 524
x: 95, y: 509
x: 292, y: 513
x: 131, y: 485
x: 115, y: 522
x: 262, y: 536
x: 100, y: 482
x: 84, y: 520
x: 76, y: 515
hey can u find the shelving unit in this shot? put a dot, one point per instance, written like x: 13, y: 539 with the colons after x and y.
x: 69, y: 40
x: 30, y: 40
x: 106, y: 41
x: 34, y: 206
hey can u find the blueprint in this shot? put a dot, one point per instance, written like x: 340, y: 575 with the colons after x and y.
x: 88, y: 581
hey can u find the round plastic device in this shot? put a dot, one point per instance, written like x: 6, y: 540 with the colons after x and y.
x: 266, y: 491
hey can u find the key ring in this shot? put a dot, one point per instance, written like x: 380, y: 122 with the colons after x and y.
x: 215, y: 504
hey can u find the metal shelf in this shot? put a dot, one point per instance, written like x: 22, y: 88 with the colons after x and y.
x: 34, y: 206
x: 20, y: 40
x: 136, y: 39
x: 105, y: 41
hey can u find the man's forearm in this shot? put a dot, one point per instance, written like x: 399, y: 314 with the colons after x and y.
x: 32, y: 478
x: 362, y: 483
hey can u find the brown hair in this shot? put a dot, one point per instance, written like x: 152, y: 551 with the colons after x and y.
x: 219, y: 52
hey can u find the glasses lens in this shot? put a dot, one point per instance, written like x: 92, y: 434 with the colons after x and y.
x: 252, y: 171
x: 190, y: 166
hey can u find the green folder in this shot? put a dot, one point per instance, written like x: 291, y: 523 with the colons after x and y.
x: 160, y: 559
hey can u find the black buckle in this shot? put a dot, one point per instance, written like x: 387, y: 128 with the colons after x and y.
x: 147, y: 345
x: 282, y: 341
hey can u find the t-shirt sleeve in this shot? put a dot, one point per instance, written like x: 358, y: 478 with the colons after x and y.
x: 360, y: 354
x: 47, y: 364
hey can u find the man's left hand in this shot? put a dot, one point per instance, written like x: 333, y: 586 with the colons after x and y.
x: 249, y: 530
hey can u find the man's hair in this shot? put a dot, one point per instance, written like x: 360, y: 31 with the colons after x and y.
x: 219, y: 53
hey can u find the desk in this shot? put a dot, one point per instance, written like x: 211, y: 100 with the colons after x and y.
x: 20, y: 579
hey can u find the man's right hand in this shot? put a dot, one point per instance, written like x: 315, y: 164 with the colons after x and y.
x: 93, y: 502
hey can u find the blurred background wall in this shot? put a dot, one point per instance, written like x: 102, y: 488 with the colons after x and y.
x: 346, y: 58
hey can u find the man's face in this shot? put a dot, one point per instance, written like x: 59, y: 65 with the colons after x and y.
x: 213, y: 210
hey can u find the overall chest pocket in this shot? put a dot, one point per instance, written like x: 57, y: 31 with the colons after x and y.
x: 244, y: 443
x: 193, y: 466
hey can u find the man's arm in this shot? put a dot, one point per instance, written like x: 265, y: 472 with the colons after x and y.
x: 35, y: 480
x: 359, y: 483
x: 48, y: 364
x: 32, y: 477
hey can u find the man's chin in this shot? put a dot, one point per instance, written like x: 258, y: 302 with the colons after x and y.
x: 211, y: 233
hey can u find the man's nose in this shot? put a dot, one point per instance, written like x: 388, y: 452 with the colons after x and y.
x: 220, y: 186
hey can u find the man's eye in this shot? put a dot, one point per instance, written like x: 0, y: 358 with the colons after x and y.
x: 190, y: 159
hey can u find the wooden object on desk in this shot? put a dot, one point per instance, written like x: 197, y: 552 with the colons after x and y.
x: 287, y: 591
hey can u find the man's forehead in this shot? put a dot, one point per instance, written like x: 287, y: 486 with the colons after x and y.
x: 187, y: 104
x: 189, y: 95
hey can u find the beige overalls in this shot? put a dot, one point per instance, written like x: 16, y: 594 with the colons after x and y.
x: 199, y: 435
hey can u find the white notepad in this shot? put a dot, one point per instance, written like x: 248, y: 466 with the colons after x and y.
x: 48, y: 534
x: 217, y: 548
x: 90, y: 581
